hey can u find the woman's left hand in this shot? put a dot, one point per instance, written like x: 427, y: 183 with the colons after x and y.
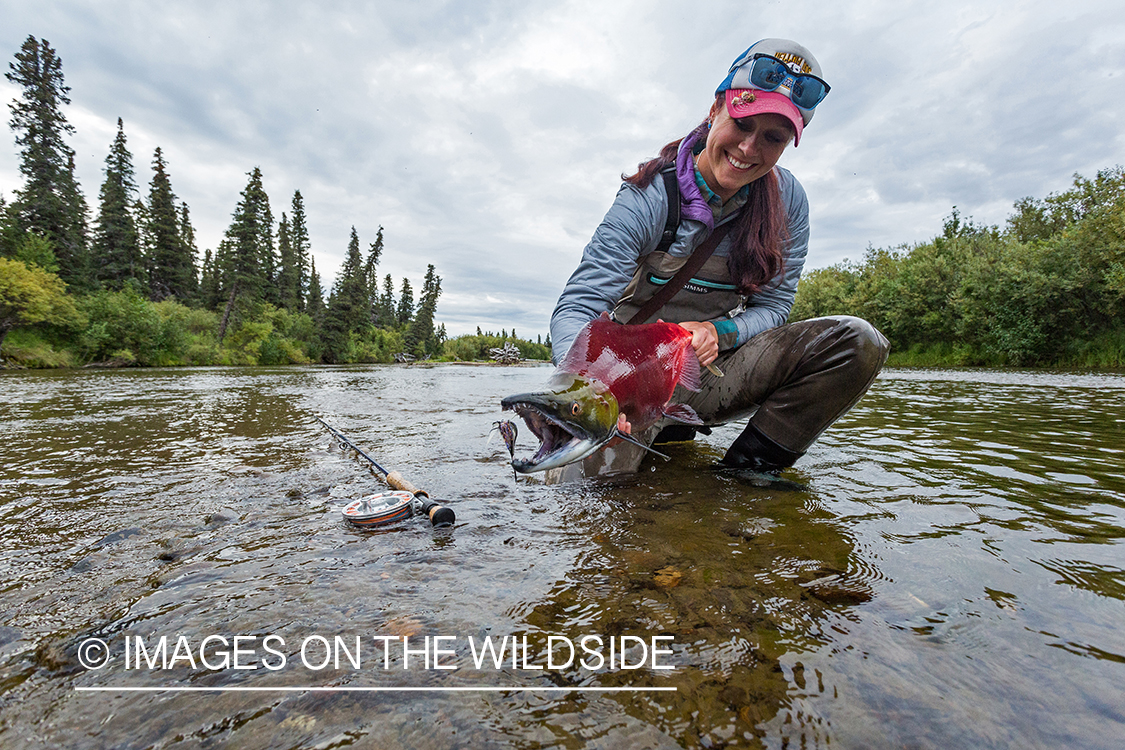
x: 704, y: 340
x: 623, y: 426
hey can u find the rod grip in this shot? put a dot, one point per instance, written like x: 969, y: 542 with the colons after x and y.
x: 439, y: 515
x: 397, y: 481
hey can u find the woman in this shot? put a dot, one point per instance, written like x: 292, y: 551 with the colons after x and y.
x: 795, y: 379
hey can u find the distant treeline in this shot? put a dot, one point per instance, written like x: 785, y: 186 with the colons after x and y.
x: 1046, y: 290
x: 129, y: 288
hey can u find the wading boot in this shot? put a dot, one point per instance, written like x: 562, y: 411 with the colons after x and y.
x: 753, y: 451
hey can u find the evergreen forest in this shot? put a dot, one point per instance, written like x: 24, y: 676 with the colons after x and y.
x: 121, y: 282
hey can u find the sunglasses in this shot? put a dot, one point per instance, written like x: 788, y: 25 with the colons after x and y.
x: 768, y: 73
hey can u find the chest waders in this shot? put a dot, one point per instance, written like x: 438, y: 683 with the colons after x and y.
x: 658, y: 287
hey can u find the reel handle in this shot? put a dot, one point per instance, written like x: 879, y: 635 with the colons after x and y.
x: 439, y: 515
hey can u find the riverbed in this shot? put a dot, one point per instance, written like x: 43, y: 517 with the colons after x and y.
x: 944, y: 568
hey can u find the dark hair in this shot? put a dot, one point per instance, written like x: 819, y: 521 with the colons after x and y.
x: 761, y: 228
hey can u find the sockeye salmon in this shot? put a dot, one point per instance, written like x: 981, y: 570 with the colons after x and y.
x: 610, y: 369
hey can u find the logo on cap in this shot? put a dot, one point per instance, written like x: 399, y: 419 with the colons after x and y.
x: 796, y: 62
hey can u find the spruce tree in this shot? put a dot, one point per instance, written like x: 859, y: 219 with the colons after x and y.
x: 385, y: 315
x: 35, y: 250
x: 288, y: 275
x: 246, y: 251
x: 347, y: 305
x: 78, y: 214
x: 50, y: 203
x: 140, y: 218
x: 302, y: 250
x: 314, y: 300
x: 8, y: 232
x: 270, y: 263
x: 171, y: 264
x: 210, y: 292
x: 405, y: 311
x: 190, y: 268
x: 116, y: 249
x: 244, y: 259
x: 371, y: 275
x: 421, y: 339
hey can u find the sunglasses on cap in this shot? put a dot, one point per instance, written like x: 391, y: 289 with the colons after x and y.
x: 768, y: 73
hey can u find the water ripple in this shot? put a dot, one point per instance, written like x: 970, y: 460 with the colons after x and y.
x: 950, y: 576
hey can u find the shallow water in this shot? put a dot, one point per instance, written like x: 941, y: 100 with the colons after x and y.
x: 950, y: 575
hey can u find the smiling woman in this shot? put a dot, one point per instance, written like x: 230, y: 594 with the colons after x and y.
x: 717, y: 244
x: 741, y: 150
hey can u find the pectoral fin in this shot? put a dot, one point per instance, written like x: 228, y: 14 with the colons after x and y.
x: 690, y: 377
x: 682, y: 413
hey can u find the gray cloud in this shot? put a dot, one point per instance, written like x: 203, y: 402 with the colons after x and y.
x: 489, y: 138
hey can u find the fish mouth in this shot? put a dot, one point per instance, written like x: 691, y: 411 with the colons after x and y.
x: 560, y: 442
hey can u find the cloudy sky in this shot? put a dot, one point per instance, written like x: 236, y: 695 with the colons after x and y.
x: 488, y: 137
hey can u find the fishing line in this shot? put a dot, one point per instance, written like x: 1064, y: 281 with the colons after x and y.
x: 388, y: 507
x: 630, y: 439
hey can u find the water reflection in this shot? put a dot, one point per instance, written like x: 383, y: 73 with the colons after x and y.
x: 738, y: 575
x: 951, y: 576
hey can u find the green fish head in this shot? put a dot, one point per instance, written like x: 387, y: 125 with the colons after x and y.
x: 572, y: 417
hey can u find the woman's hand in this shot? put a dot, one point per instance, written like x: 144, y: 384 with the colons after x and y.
x: 623, y: 427
x: 704, y: 340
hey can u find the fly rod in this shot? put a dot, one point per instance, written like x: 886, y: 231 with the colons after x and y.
x: 439, y: 515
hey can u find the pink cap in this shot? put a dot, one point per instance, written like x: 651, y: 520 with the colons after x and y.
x: 749, y: 102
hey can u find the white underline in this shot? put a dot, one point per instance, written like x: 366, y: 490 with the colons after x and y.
x: 482, y: 689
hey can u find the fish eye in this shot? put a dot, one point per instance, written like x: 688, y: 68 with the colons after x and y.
x: 575, y: 408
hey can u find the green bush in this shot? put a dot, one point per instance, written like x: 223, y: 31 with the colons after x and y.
x: 1049, y: 290
x: 122, y: 320
x: 28, y: 348
x: 268, y: 335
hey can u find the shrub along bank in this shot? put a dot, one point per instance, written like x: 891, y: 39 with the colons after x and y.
x: 1047, y: 290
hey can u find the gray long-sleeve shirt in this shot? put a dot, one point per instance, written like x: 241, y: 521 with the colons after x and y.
x: 632, y: 229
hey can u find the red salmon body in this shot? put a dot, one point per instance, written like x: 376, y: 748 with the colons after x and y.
x: 640, y: 365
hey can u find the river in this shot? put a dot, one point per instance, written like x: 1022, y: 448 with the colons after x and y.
x: 945, y: 568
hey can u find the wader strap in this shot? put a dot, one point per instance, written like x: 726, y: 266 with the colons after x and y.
x: 672, y: 223
x: 693, y: 264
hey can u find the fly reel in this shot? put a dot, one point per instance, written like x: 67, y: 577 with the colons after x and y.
x: 388, y: 507
x: 380, y: 509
